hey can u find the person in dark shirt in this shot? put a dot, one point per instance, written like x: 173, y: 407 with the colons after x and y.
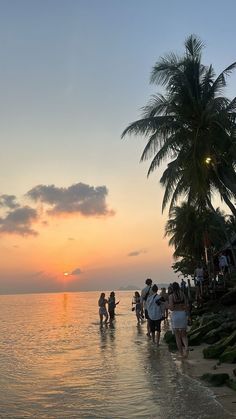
x: 111, y: 306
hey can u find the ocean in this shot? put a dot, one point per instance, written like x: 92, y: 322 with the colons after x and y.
x: 56, y: 362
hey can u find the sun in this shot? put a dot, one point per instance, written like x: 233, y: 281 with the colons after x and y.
x: 66, y: 273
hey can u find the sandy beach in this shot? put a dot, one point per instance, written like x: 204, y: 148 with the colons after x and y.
x: 195, y: 366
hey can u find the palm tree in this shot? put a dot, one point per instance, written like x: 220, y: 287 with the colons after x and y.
x: 193, y: 126
x: 185, y: 235
x: 191, y: 231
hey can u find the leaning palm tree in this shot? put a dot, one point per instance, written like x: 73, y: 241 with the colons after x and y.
x: 193, y: 127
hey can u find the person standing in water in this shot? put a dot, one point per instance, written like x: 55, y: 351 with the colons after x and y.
x: 164, y: 295
x: 111, y: 306
x: 145, y: 293
x: 156, y: 310
x: 102, y: 308
x: 137, y: 307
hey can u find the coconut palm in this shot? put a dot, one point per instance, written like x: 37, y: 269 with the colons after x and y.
x: 191, y: 231
x: 193, y: 126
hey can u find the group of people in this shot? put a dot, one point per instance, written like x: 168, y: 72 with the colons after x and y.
x: 154, y: 308
x: 105, y: 315
x: 204, y: 282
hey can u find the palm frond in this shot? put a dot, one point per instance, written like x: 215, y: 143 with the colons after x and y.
x: 220, y: 81
x: 164, y: 69
x: 141, y: 127
x: 169, y: 180
x: 157, y: 105
x: 232, y: 105
x: 165, y: 151
x: 179, y: 190
x: 194, y: 46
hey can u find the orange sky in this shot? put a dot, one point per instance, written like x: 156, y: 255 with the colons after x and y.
x: 122, y: 248
x: 74, y: 197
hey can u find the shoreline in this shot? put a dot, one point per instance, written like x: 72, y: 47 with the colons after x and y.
x: 195, y: 366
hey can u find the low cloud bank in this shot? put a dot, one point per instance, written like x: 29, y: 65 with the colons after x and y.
x: 78, y: 199
x: 19, y: 221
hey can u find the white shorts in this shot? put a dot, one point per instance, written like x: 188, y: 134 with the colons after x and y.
x: 179, y: 319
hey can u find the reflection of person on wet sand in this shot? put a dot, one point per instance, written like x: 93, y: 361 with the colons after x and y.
x: 102, y: 308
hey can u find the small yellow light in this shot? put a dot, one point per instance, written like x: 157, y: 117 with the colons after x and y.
x: 66, y: 273
x: 208, y: 160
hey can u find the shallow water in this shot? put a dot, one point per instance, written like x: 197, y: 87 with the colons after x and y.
x: 56, y: 362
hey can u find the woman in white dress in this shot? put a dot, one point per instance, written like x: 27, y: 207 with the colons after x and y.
x: 179, y: 319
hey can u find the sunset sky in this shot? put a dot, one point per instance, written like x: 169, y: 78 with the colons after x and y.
x: 74, y: 197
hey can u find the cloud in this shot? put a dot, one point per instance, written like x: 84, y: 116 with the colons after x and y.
x: 78, y: 198
x: 76, y: 271
x: 8, y: 201
x: 19, y: 221
x: 18, y: 218
x: 71, y: 238
x: 136, y: 252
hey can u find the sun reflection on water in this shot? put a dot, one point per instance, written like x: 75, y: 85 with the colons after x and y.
x: 56, y: 361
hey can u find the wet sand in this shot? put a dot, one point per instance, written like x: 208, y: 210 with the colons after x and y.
x: 195, y: 366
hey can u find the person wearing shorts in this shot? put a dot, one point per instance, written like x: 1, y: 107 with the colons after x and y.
x: 179, y: 307
x: 155, y: 309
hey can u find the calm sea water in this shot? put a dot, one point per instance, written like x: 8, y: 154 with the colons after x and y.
x: 56, y: 362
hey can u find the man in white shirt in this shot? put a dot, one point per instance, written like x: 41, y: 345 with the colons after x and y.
x: 156, y: 310
x: 145, y: 293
